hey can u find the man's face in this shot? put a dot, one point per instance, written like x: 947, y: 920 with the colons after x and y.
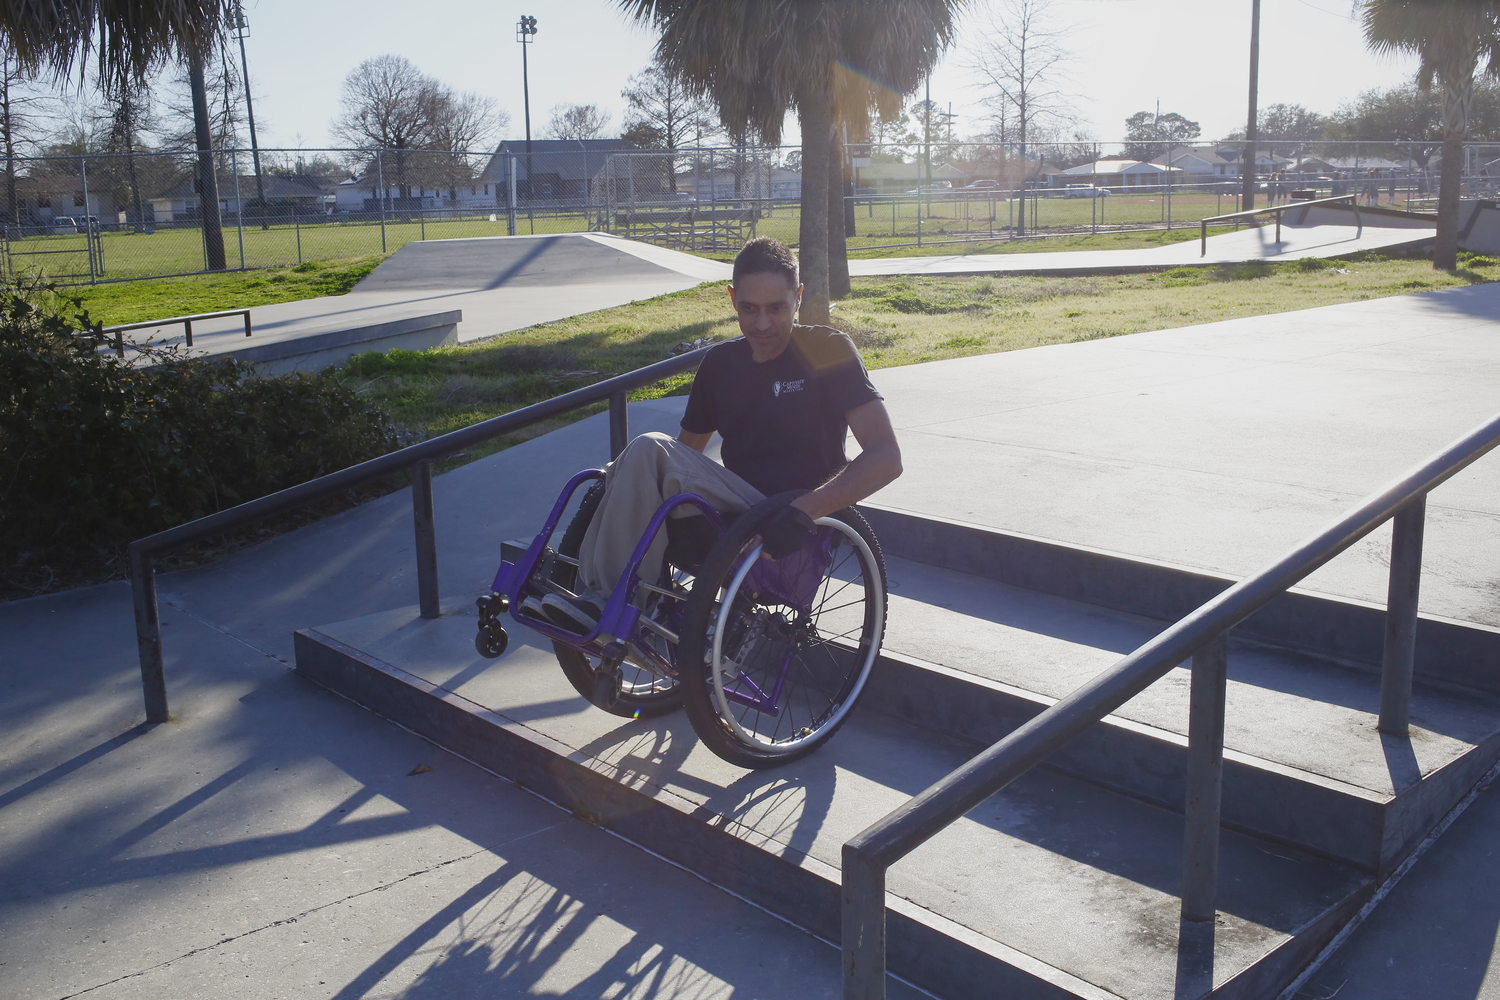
x: 767, y: 306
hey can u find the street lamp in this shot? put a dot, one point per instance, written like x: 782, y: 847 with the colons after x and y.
x: 240, y: 26
x: 525, y: 29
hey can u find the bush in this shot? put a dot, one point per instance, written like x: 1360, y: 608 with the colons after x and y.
x: 97, y: 450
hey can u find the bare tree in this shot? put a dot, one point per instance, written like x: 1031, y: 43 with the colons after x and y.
x: 662, y: 101
x: 576, y: 121
x: 22, y: 108
x: 226, y: 110
x: 1020, y: 64
x: 463, y: 129
x: 387, y: 103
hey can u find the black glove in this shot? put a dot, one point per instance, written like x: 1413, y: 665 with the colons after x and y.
x: 784, y: 533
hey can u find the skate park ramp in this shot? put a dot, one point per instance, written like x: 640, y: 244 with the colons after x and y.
x: 498, y: 284
x: 1316, y: 231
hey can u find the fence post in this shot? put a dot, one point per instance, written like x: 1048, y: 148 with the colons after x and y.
x: 88, y: 229
x: 1401, y: 617
x: 239, y: 205
x: 148, y: 635
x: 380, y: 179
x: 619, y: 424
x: 510, y: 206
x: 421, y: 509
x: 1205, y: 769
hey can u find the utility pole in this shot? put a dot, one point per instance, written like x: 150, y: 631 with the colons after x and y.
x: 1247, y: 162
x: 240, y: 25
x: 525, y: 30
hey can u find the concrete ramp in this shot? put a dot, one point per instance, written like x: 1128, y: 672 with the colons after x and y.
x: 561, y: 260
x: 1319, y: 231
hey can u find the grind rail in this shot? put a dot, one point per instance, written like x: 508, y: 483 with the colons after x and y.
x: 1351, y: 200
x: 186, y: 321
x: 1201, y: 636
x: 418, y: 458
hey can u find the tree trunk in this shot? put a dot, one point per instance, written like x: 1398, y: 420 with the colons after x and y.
x: 1458, y: 96
x: 838, y: 247
x: 208, y: 181
x: 815, y: 112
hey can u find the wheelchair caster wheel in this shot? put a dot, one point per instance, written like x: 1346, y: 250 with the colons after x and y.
x: 491, y: 641
x: 606, y: 690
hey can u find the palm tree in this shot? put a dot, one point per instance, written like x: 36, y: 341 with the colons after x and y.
x: 128, y: 37
x: 1452, y: 39
x: 832, y: 60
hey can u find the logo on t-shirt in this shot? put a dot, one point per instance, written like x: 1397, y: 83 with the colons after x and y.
x: 795, y: 385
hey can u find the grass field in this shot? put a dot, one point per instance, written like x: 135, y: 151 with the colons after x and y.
x: 896, y: 321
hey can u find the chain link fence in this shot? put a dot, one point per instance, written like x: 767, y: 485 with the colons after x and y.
x: 94, y: 218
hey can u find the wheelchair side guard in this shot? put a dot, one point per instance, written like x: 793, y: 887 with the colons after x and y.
x: 512, y: 575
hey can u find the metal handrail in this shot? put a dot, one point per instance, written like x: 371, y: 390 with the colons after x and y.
x: 1201, y: 636
x: 186, y: 321
x: 1352, y: 199
x: 418, y: 457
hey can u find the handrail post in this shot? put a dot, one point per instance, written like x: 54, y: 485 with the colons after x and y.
x: 1205, y: 771
x: 863, y: 928
x: 148, y: 635
x: 1203, y: 237
x: 421, y: 508
x: 187, y: 329
x: 247, y: 322
x: 619, y: 424
x: 1401, y: 617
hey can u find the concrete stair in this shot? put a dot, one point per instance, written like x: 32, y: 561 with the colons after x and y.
x: 1065, y: 884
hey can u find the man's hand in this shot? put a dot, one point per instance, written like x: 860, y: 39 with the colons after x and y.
x: 785, y: 532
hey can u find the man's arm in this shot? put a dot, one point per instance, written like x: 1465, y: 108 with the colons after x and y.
x: 876, y: 465
x: 697, y: 442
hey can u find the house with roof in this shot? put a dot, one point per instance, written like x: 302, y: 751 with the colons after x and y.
x: 287, y: 194
x: 1202, y: 163
x: 895, y: 178
x: 1117, y: 173
x: 568, y: 171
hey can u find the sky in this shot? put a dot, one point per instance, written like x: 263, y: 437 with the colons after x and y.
x: 1191, y: 55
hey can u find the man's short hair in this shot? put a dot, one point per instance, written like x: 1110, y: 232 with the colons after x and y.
x: 764, y: 255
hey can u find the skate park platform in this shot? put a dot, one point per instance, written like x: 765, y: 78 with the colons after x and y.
x: 1326, y: 231
x: 1060, y: 506
x: 465, y: 290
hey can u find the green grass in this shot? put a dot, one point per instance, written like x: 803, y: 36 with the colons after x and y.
x: 895, y: 320
x: 137, y: 301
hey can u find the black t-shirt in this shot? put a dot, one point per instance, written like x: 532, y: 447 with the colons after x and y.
x: 782, y: 420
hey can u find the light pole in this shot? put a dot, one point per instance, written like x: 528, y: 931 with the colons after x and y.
x: 525, y: 30
x: 1247, y: 168
x: 240, y: 25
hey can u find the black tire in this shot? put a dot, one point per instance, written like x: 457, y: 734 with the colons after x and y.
x: 642, y: 693
x: 828, y: 670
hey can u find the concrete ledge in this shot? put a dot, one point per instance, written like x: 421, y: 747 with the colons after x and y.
x: 334, y: 344
x: 1352, y: 632
x: 924, y: 948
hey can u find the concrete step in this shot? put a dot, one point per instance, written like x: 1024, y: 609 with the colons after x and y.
x: 1057, y: 887
x: 974, y: 656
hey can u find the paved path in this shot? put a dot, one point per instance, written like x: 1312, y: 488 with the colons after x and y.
x: 1327, y: 239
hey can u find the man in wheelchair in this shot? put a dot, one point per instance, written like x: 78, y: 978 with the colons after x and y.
x: 782, y: 398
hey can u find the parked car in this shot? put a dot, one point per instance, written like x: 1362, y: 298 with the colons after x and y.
x: 64, y: 225
x: 936, y: 187
x: 982, y: 185
x: 1085, y: 191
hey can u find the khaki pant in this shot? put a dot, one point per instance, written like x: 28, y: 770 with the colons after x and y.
x: 652, y: 468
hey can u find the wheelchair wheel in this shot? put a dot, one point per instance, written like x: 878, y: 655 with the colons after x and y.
x: 773, y: 654
x: 642, y: 693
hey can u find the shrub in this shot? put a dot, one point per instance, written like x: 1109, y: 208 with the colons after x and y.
x: 96, y: 450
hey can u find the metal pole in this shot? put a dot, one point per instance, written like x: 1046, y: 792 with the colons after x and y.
x: 88, y: 226
x: 239, y: 205
x: 1401, y: 617
x: 619, y: 424
x: 863, y: 931
x: 421, y: 509
x: 1205, y: 771
x: 148, y: 635
x: 380, y: 179
x: 510, y: 211
x: 1247, y: 162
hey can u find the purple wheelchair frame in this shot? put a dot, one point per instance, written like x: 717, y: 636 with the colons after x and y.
x: 792, y: 580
